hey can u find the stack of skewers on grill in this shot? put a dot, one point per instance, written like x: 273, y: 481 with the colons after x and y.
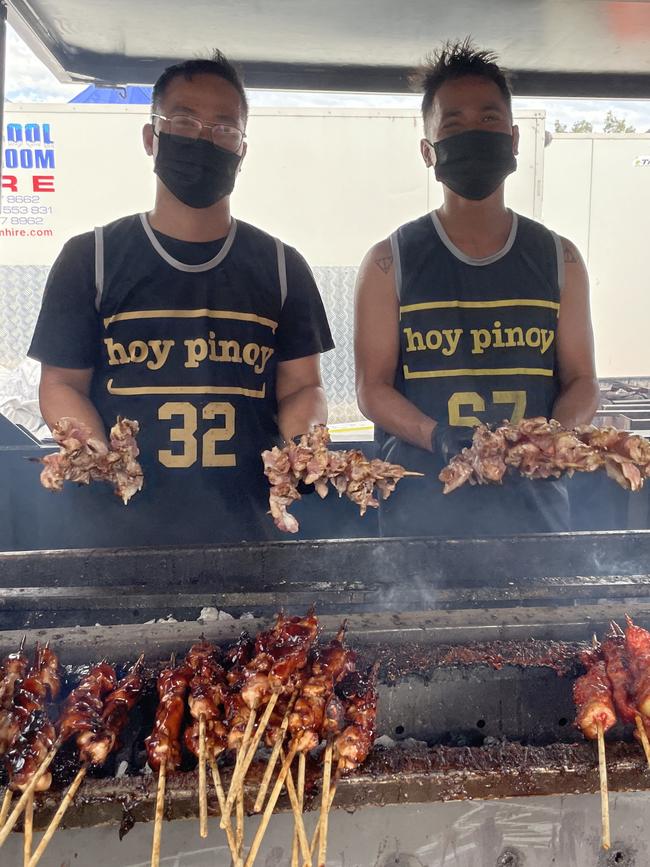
x: 93, y: 715
x: 616, y: 687
x: 283, y: 690
x: 300, y: 698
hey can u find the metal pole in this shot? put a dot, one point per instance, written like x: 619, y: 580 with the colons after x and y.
x: 3, y: 57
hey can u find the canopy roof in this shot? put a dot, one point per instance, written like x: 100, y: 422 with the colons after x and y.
x: 554, y: 47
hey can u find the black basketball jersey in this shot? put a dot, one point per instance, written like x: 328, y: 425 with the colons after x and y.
x: 477, y: 340
x: 190, y: 350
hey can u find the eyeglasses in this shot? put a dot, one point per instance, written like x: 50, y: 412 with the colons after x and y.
x: 223, y: 135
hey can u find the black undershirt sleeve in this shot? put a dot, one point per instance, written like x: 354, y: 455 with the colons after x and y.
x: 67, y: 329
x: 303, y: 328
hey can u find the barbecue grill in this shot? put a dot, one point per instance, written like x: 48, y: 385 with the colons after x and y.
x: 478, y: 642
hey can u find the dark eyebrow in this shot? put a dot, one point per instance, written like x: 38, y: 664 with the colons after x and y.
x: 220, y: 118
x: 493, y: 106
x: 452, y: 112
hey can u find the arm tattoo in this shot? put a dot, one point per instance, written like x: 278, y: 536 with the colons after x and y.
x: 385, y: 263
x: 570, y: 253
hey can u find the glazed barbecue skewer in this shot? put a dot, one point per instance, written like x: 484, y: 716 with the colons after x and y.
x: 592, y: 694
x: 31, y: 737
x: 97, y: 712
x: 163, y: 744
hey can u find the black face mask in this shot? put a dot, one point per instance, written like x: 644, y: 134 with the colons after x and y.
x: 474, y: 163
x: 197, y: 172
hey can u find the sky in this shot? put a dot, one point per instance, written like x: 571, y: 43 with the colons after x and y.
x: 29, y: 80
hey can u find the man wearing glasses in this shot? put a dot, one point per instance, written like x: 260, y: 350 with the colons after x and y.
x: 203, y: 328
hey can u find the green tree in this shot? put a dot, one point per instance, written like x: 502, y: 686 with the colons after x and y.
x: 560, y: 127
x: 582, y: 126
x: 615, y: 124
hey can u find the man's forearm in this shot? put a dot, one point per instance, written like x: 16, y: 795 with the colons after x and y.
x: 578, y: 402
x: 58, y: 401
x: 298, y: 412
x: 396, y: 415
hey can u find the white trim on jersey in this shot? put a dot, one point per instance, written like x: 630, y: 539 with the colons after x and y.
x: 282, y: 271
x: 99, y: 266
x: 181, y: 266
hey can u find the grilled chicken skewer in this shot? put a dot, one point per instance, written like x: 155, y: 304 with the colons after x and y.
x: 163, y: 744
x: 281, y: 655
x: 14, y: 669
x: 592, y: 694
x: 97, y: 712
x: 207, y: 736
x: 30, y: 736
x: 349, y: 745
x: 305, y: 724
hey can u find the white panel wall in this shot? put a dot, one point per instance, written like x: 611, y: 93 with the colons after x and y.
x: 596, y: 194
x: 330, y: 182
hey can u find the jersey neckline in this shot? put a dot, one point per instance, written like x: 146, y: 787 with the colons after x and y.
x: 470, y: 260
x: 182, y: 266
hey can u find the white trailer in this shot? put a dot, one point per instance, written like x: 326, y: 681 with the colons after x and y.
x: 330, y: 182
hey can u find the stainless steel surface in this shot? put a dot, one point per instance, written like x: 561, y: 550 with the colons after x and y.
x: 503, y: 577
x: 522, y: 832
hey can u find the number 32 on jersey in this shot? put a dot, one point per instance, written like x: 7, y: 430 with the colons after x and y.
x: 462, y: 403
x: 186, y: 435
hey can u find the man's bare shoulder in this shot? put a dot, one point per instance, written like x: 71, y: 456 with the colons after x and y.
x: 570, y: 252
x: 380, y: 256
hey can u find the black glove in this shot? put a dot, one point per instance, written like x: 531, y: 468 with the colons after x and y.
x: 449, y: 440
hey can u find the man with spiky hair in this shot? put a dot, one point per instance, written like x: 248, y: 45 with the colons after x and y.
x: 204, y: 329
x: 469, y: 314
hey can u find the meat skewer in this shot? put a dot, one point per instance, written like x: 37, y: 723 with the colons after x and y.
x: 31, y: 737
x: 207, y: 737
x: 592, y: 694
x: 163, y: 744
x: 83, y: 458
x: 281, y: 654
x: 98, y: 714
x: 81, y: 717
x: 618, y: 671
x: 542, y: 449
x: 309, y: 461
x: 274, y: 737
x: 13, y: 670
x: 637, y: 648
x: 352, y: 743
x: 305, y: 723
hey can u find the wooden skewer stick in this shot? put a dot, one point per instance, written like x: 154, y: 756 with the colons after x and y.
x: 58, y: 816
x: 7, y: 828
x: 411, y: 473
x: 221, y: 797
x: 239, y: 776
x: 273, y: 759
x: 604, y: 796
x: 28, y: 831
x: 325, y: 805
x: 298, y: 820
x: 241, y: 756
x: 239, y: 825
x: 301, y: 803
x: 643, y: 736
x: 203, y: 788
x: 160, y: 809
x: 315, y: 838
x: 270, y: 806
x: 6, y: 803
